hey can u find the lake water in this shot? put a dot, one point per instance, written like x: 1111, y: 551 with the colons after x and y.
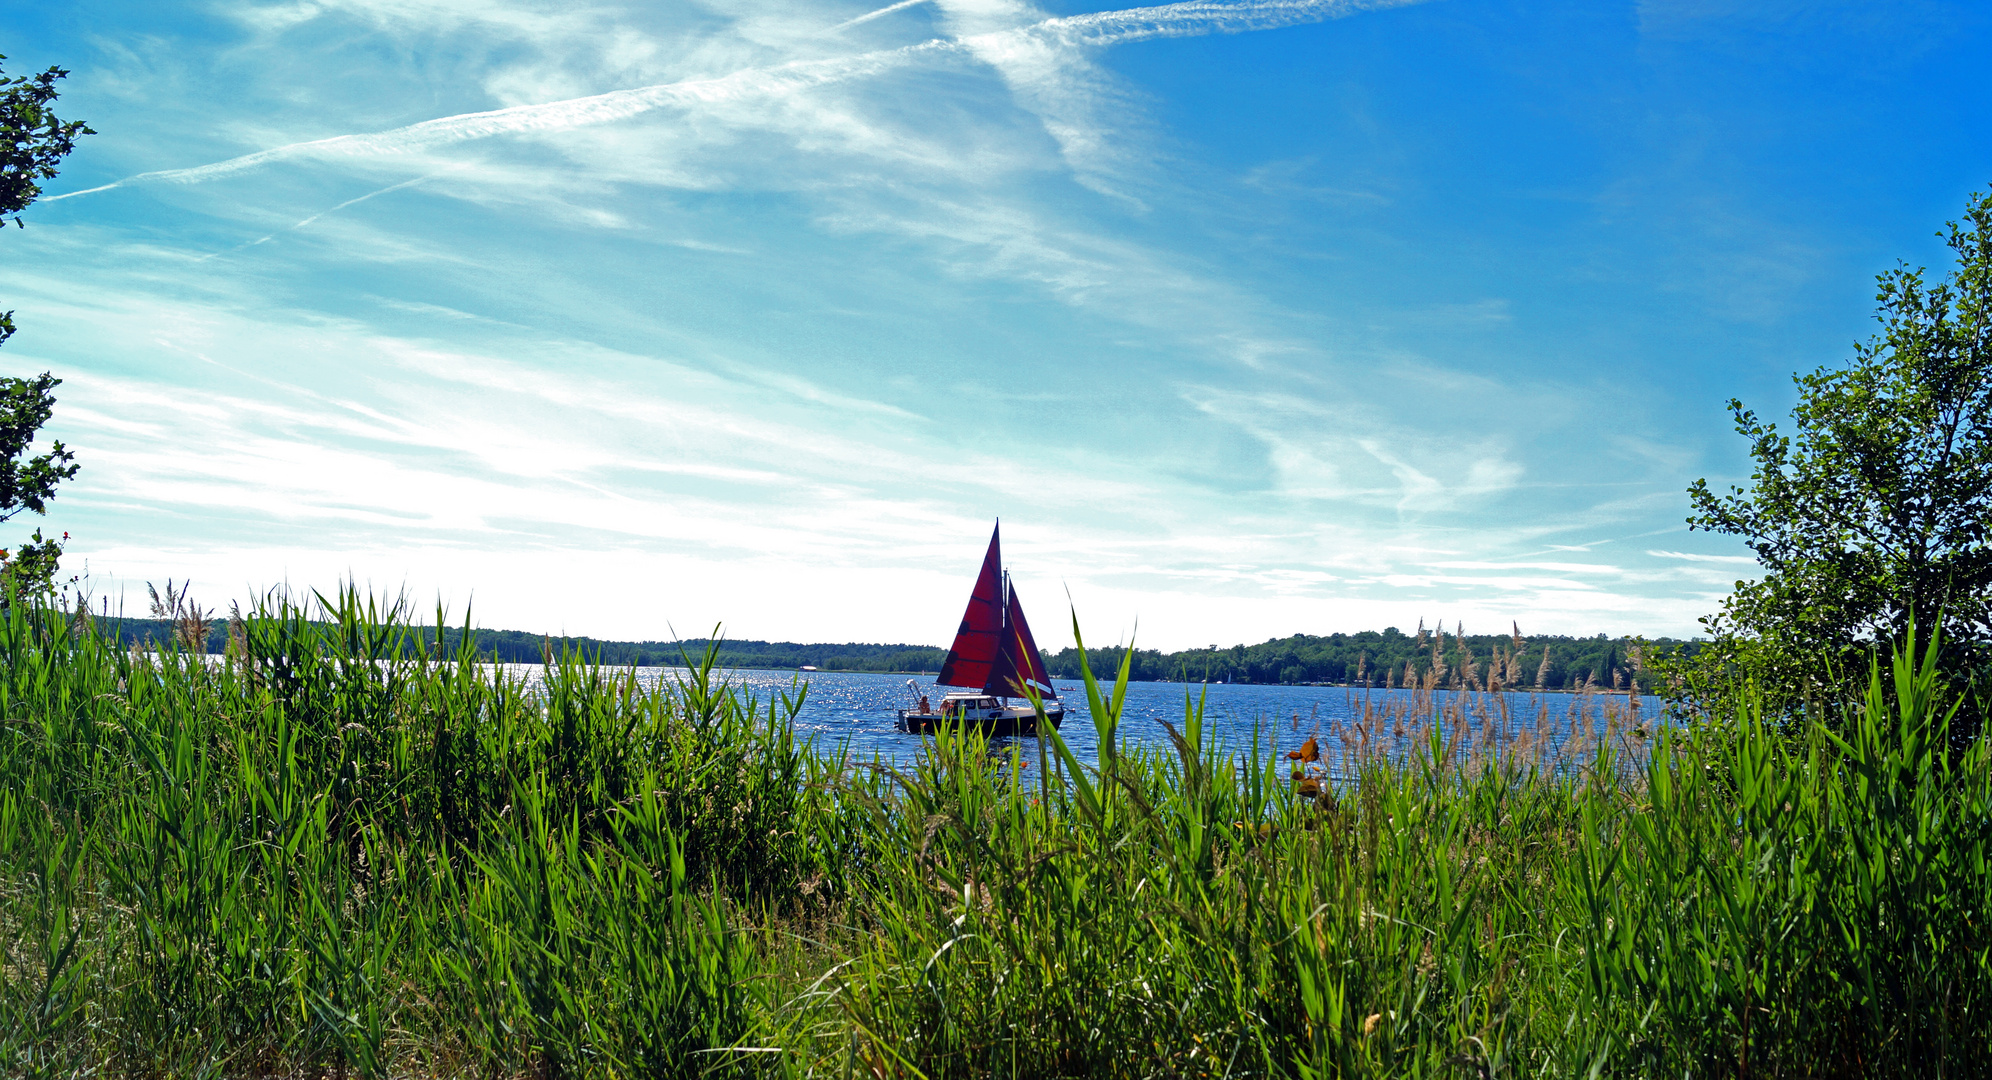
x: 857, y: 710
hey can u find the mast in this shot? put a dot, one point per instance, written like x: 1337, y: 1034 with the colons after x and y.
x: 996, y: 680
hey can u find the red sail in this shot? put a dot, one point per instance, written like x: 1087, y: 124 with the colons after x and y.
x: 979, y: 641
x: 1020, y: 663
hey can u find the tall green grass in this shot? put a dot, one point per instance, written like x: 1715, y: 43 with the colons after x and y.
x: 343, y: 849
x: 338, y: 848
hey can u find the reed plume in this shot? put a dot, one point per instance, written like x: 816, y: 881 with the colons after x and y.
x: 190, y: 622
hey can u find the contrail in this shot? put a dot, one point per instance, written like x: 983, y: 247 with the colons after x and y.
x: 870, y: 15
x: 550, y: 116
x: 1195, y: 18
x: 1188, y: 19
x: 322, y: 213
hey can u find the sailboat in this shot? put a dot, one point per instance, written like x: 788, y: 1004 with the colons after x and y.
x: 994, y: 659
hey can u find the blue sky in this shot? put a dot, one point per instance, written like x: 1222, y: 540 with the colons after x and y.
x: 1246, y: 318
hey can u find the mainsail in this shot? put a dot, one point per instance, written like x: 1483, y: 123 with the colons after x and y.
x: 993, y: 651
x: 973, y: 655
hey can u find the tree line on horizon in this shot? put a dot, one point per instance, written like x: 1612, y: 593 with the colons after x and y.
x: 1392, y: 658
x: 1370, y: 658
x: 524, y: 647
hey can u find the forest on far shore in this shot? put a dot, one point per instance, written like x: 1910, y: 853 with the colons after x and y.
x: 1371, y: 657
x: 1383, y: 658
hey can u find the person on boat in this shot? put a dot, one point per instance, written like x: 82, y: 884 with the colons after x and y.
x: 924, y: 707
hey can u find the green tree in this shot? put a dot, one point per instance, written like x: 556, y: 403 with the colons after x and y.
x: 27, y: 483
x: 1874, y: 511
x: 33, y: 142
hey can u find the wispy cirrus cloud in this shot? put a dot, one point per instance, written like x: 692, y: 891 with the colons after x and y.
x: 1001, y: 47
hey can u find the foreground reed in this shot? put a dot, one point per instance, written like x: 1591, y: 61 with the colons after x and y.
x: 339, y: 851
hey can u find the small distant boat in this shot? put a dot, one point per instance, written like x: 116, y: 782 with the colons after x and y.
x: 807, y: 667
x: 995, y: 659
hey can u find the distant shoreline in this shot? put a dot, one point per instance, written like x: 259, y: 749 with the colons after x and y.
x: 1600, y: 691
x: 1543, y: 664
